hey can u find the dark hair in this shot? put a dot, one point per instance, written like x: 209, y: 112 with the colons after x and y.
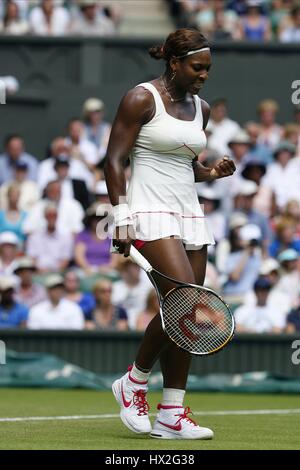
x: 10, y: 137
x: 295, y: 10
x: 178, y: 44
x: 9, y: 2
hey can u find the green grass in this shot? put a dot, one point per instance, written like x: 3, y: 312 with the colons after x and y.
x: 231, y: 432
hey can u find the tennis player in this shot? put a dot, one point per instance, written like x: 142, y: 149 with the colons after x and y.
x: 160, y: 124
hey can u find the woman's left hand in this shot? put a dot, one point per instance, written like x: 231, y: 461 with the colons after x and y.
x: 225, y: 167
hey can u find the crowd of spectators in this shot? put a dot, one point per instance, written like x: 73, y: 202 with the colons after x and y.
x: 56, y: 267
x: 59, y: 17
x: 240, y: 20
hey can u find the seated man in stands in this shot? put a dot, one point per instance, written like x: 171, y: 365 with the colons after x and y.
x: 261, y: 317
x: 56, y: 313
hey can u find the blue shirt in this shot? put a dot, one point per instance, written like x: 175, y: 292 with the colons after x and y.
x: 275, y: 248
x: 294, y: 318
x: 15, y: 227
x: 7, y: 167
x: 248, y: 276
x: 87, y: 303
x: 13, y: 317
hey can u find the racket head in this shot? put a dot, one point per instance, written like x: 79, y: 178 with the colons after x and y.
x: 197, y: 319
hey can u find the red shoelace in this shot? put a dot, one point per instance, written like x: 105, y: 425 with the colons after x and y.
x: 139, y: 400
x: 184, y: 415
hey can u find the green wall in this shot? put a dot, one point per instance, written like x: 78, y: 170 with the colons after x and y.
x: 57, y: 75
x: 112, y: 352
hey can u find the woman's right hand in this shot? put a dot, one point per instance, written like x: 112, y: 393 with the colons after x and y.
x: 123, y: 238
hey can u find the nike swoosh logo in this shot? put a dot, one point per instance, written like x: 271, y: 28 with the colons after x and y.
x: 176, y: 427
x: 125, y: 402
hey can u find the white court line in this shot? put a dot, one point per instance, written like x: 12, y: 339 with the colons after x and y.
x: 114, y: 415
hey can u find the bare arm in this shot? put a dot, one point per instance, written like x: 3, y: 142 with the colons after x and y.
x: 135, y: 110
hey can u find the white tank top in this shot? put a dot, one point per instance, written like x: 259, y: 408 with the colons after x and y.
x: 162, y: 177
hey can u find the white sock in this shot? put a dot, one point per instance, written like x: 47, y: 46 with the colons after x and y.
x: 173, y: 396
x: 139, y: 376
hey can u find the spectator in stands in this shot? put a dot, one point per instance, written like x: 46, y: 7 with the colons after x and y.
x: 220, y: 128
x: 270, y: 131
x: 259, y: 318
x: 101, y: 193
x: 78, y: 170
x: 132, y: 290
x: 28, y: 292
x: 216, y: 22
x: 12, y: 23
x: 12, y: 219
x: 239, y: 144
x: 71, y: 188
x: 152, y: 309
x: 277, y: 298
x: 47, y: 19
x: 258, y: 149
x: 80, y: 148
x: 279, y: 11
x: 14, y: 152
x: 264, y: 201
x: 290, y: 278
x: 210, y: 199
x: 243, y: 266
x: 291, y: 133
x: 254, y: 25
x: 50, y: 248
x: 70, y: 212
x: 292, y: 211
x: 92, y: 22
x: 96, y: 129
x: 29, y: 192
x: 92, y: 253
x: 231, y: 243
x: 9, y: 248
x: 292, y: 33
x: 57, y: 312
x: 85, y: 300
x: 106, y: 315
x: 244, y: 202
x: 12, y: 314
x: 293, y: 321
x: 285, y: 237
x: 282, y: 175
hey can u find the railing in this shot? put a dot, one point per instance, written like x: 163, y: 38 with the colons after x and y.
x: 111, y: 352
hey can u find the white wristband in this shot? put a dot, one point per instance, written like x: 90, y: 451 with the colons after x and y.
x: 122, y: 215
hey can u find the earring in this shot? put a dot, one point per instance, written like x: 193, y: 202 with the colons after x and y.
x: 173, y: 76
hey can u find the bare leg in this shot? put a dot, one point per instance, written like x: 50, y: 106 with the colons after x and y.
x: 169, y: 257
x: 175, y: 363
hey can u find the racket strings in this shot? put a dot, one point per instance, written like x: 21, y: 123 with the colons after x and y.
x: 197, y: 320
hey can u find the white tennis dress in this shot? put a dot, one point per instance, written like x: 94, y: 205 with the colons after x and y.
x: 161, y: 194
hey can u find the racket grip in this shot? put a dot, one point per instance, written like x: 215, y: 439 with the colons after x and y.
x: 139, y: 259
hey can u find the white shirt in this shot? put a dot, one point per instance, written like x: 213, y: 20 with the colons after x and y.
x: 221, y: 133
x: 59, y: 23
x: 283, y: 181
x: 49, y: 250
x: 66, y: 315
x: 70, y: 216
x: 278, y: 300
x: 87, y: 149
x: 258, y: 319
x: 77, y: 170
x: 133, y: 299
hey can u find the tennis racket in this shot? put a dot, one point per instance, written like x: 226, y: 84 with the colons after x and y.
x: 194, y: 317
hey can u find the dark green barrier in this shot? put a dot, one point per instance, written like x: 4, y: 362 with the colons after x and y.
x: 112, y: 352
x: 58, y: 74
